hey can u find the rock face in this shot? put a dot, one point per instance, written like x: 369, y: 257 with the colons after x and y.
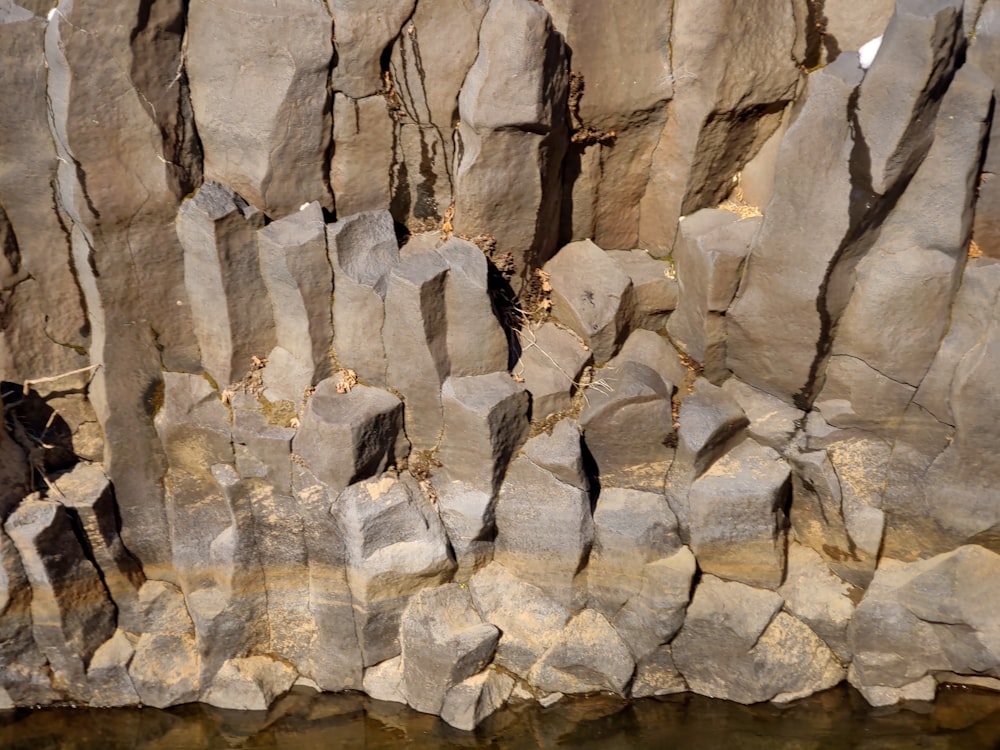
x: 464, y: 349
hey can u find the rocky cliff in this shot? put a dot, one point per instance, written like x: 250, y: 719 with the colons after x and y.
x: 466, y: 351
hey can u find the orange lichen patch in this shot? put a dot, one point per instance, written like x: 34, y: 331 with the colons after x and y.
x: 974, y: 250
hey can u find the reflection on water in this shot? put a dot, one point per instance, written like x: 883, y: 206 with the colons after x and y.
x: 304, y: 720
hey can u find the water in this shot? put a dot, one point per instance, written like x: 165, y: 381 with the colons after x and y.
x: 962, y: 719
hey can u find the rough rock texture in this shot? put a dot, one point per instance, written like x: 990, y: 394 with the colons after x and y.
x: 465, y: 349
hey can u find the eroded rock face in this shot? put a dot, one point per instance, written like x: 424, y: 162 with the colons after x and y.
x: 362, y: 346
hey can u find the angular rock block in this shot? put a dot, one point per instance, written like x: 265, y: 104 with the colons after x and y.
x: 263, y: 450
x: 165, y: 669
x: 88, y: 494
x: 444, y: 641
x: 529, y: 621
x: 250, y: 684
x: 513, y: 133
x: 108, y: 676
x: 654, y: 351
x: 232, y: 321
x: 363, y: 32
x: 395, y: 546
x: 474, y: 699
x: 772, y: 422
x: 467, y: 513
x: 592, y: 296
x: 709, y: 256
x: 299, y: 280
x: 736, y: 644
x: 416, y: 344
x: 544, y: 531
x: 655, y: 285
x: 559, y: 452
x: 899, y: 97
x: 657, y: 675
x: 71, y: 613
x: 737, y: 516
x: 347, y: 437
x: 631, y: 528
x: 363, y: 154
x: 551, y: 363
x: 627, y: 420
x: 931, y: 616
x: 262, y: 106
x: 773, y: 326
x: 588, y: 657
x: 362, y: 248
x: 485, y: 424
x: 384, y: 681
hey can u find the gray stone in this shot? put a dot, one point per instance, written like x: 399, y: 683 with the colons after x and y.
x: 855, y: 395
x: 559, y: 452
x: 364, y: 423
x: 924, y: 617
x: 736, y: 645
x: 395, y: 546
x: 362, y: 162
x: 384, y: 681
x: 362, y: 33
x: 627, y: 420
x: 108, y: 676
x: 250, y: 684
x: 551, y: 364
x: 299, y: 280
x: 444, y: 641
x: 588, y: 657
x: 165, y: 668
x: 513, y: 133
x: 631, y: 528
x: 592, y: 296
x: 362, y: 250
x: 88, y: 494
x: 774, y: 325
x: 544, y: 531
x: 416, y: 344
x: 711, y: 422
x: 232, y: 321
x: 467, y: 513
x: 71, y: 613
x: 849, y: 25
x: 655, y: 285
x: 267, y: 446
x: 709, y: 264
x: 485, y: 423
x: 899, y: 96
x: 476, y: 698
x: 654, y: 351
x: 657, y: 675
x: 772, y: 422
x: 757, y: 178
x: 737, y: 515
x: 528, y: 619
x: 261, y: 103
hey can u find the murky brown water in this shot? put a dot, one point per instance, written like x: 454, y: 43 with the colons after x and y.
x: 961, y: 719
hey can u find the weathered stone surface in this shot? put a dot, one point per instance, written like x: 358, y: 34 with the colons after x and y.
x: 588, y: 656
x: 928, y: 616
x: 902, y: 89
x: 772, y: 422
x: 444, y: 641
x: 250, y: 684
x: 485, y: 423
x: 655, y: 285
x: 299, y: 280
x: 362, y: 33
x: 757, y: 652
x: 709, y: 257
x: 529, y: 620
x: 416, y: 343
x: 232, y: 321
x: 362, y: 250
x: 657, y: 675
x: 108, y: 675
x: 717, y: 119
x: 384, y: 681
x: 467, y: 512
x: 475, y: 698
x: 631, y: 528
x: 551, y: 363
x: 88, y: 494
x: 513, y: 133
x: 654, y: 351
x: 544, y: 531
x: 363, y: 424
x: 361, y: 165
x: 737, y: 515
x: 395, y: 546
x: 849, y: 25
x: 165, y: 668
x: 261, y: 103
x: 628, y: 420
x: 619, y: 114
x: 71, y: 613
x: 559, y: 452
x: 774, y: 325
x: 592, y: 296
